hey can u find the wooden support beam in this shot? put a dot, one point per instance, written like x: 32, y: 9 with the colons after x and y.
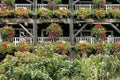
x: 35, y: 22
x: 118, y: 1
x: 29, y: 1
x: 75, y: 2
x: 80, y: 30
x: 26, y: 30
x: 118, y: 30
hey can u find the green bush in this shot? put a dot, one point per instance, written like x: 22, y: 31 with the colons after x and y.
x: 7, y: 48
x: 58, y: 67
x: 24, y: 46
x: 44, y: 49
x: 3, y: 77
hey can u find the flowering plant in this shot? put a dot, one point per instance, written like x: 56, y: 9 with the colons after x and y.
x: 5, y: 12
x: 23, y: 12
x: 61, y: 12
x: 62, y: 47
x: 7, y: 33
x: 98, y: 31
x: 23, y: 46
x: 82, y: 13
x: 7, y: 48
x: 44, y: 13
x: 100, y: 13
x: 54, y: 30
x: 114, y: 13
x: 82, y: 48
x: 8, y: 2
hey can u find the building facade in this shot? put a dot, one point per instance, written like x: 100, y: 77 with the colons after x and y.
x: 82, y: 27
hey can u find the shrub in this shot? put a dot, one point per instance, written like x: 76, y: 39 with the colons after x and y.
x: 59, y: 67
x: 44, y: 49
x: 7, y: 48
x: 117, y: 47
x: 83, y: 49
x: 62, y: 47
x: 23, y: 46
x: 3, y: 77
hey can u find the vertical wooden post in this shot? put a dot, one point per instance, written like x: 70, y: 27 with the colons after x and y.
x: 34, y: 22
x: 71, y: 31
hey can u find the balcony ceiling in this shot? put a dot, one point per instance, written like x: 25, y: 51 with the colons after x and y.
x: 66, y: 1
x: 108, y: 1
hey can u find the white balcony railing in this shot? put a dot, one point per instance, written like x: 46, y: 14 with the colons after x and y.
x: 46, y: 5
x: 86, y: 6
x: 77, y: 6
x: 77, y: 39
x: 110, y: 6
x: 28, y: 6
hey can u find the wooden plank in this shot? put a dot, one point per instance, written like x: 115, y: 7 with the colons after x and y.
x: 26, y: 30
x: 118, y: 30
x: 80, y: 29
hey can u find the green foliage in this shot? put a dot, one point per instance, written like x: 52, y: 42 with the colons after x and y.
x: 61, y: 13
x: 3, y: 77
x: 7, y: 48
x: 24, y: 46
x: 7, y: 33
x: 59, y: 67
x: 44, y: 13
x: 62, y: 47
x: 23, y: 12
x: 9, y: 2
x: 82, y: 13
x: 44, y: 49
x: 99, y: 13
x: 54, y: 31
x: 98, y: 3
x: 56, y: 1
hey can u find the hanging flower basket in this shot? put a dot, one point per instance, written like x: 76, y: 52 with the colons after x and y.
x: 99, y: 13
x: 7, y: 33
x: 62, y: 13
x: 98, y: 31
x: 23, y: 12
x: 54, y: 31
x: 82, y: 13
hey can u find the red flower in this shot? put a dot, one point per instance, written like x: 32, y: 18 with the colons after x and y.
x: 99, y: 26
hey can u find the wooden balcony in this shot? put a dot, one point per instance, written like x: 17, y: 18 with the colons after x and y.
x: 77, y: 39
x: 77, y: 6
